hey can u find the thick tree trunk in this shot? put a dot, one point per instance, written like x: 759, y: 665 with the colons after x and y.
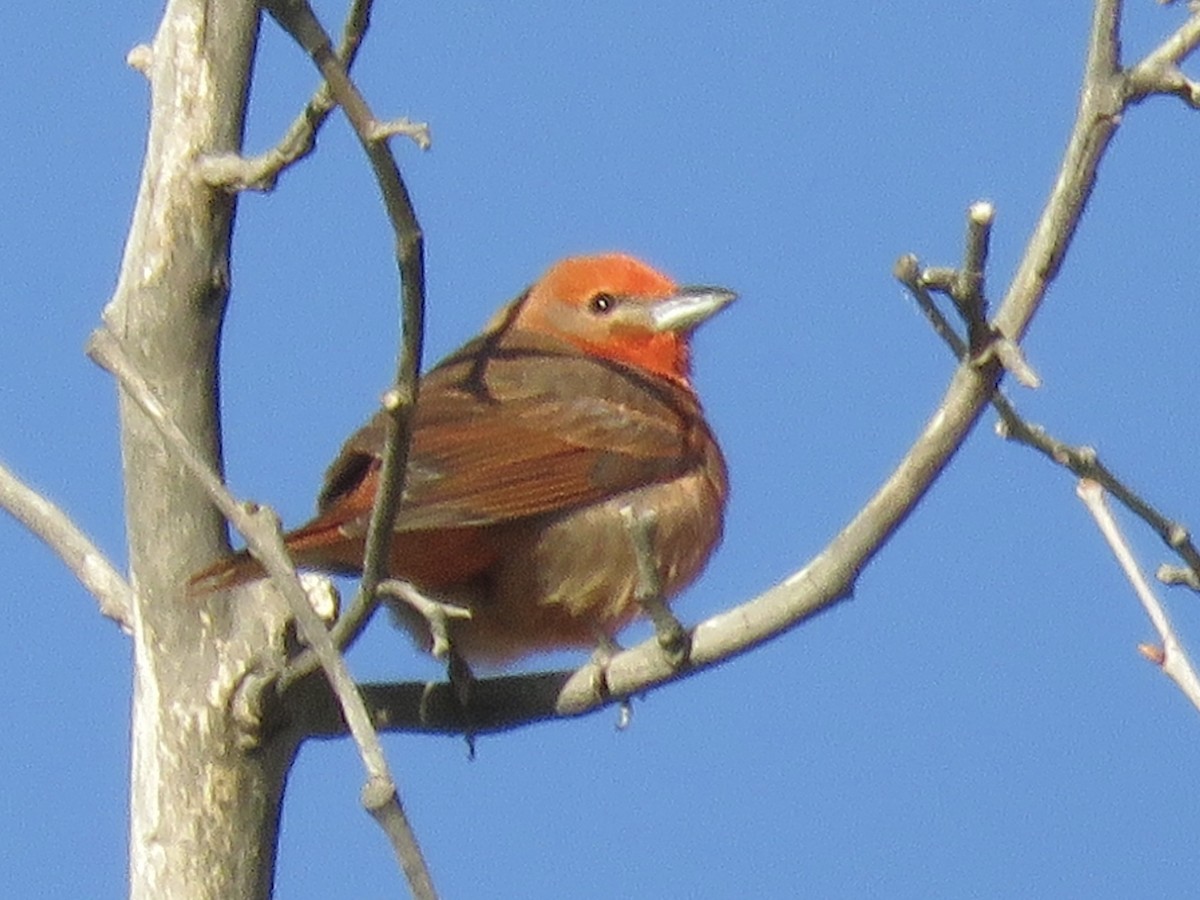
x: 204, y: 813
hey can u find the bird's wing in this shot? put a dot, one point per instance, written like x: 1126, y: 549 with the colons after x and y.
x: 501, y: 434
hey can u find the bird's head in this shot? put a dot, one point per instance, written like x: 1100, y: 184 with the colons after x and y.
x: 617, y: 307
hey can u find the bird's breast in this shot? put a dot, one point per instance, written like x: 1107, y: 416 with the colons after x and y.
x: 567, y: 579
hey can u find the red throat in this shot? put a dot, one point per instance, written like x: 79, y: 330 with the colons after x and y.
x: 666, y: 355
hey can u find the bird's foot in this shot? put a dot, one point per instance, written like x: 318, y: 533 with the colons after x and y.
x: 675, y: 640
x: 436, y: 614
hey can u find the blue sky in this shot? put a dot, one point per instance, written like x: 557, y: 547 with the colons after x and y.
x: 975, y: 722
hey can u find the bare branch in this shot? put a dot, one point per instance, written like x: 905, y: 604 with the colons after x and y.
x: 436, y: 615
x: 965, y: 287
x: 1100, y: 106
x: 907, y: 270
x: 60, y: 534
x: 417, y: 131
x: 967, y: 290
x: 1159, y: 72
x: 382, y: 800
x: 234, y: 172
x: 297, y: 18
x: 1083, y: 461
x: 1171, y: 657
x: 260, y: 527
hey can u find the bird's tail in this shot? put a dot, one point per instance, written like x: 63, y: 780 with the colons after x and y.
x: 227, y: 572
x: 318, y: 545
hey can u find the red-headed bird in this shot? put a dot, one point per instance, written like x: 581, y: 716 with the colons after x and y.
x: 527, y: 445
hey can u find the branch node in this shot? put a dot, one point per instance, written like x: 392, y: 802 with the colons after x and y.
x: 250, y: 703
x: 1010, y: 356
x: 377, y: 793
x: 1184, y: 575
x: 391, y: 399
x: 322, y: 594
x: 1177, y: 536
x: 417, y: 132
x: 140, y: 58
x: 233, y: 172
x: 1154, y: 653
x: 939, y: 278
x: 982, y: 213
x: 907, y: 270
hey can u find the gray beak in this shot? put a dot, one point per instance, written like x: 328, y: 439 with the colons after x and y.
x: 688, y: 307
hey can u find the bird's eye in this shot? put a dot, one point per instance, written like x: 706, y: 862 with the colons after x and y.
x: 602, y: 303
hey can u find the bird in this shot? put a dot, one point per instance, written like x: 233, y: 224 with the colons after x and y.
x: 532, y: 449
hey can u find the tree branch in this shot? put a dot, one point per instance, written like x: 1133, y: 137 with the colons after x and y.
x: 60, y: 534
x: 297, y: 18
x: 1084, y: 463
x: 1171, y: 657
x: 260, y: 527
x: 203, y: 816
x: 380, y: 796
x: 1143, y: 79
x: 1159, y: 72
x: 233, y: 172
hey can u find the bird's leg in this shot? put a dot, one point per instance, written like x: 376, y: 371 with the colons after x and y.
x: 462, y: 683
x: 436, y: 614
x: 674, y: 639
x: 462, y: 679
x: 606, y: 648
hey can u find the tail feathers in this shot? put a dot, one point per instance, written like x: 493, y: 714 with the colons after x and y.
x: 317, y: 545
x: 231, y: 571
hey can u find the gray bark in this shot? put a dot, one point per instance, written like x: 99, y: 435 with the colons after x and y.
x: 204, y: 813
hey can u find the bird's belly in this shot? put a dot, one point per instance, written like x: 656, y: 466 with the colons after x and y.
x: 568, y: 579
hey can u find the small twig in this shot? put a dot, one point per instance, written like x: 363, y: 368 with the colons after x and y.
x: 907, y: 271
x: 1010, y: 356
x: 260, y: 527
x: 296, y: 17
x: 1159, y: 72
x: 418, y: 132
x: 74, y: 548
x: 1178, y: 575
x: 233, y: 172
x: 1084, y: 463
x: 965, y: 287
x: 1171, y: 657
x: 1080, y: 460
x: 967, y: 290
